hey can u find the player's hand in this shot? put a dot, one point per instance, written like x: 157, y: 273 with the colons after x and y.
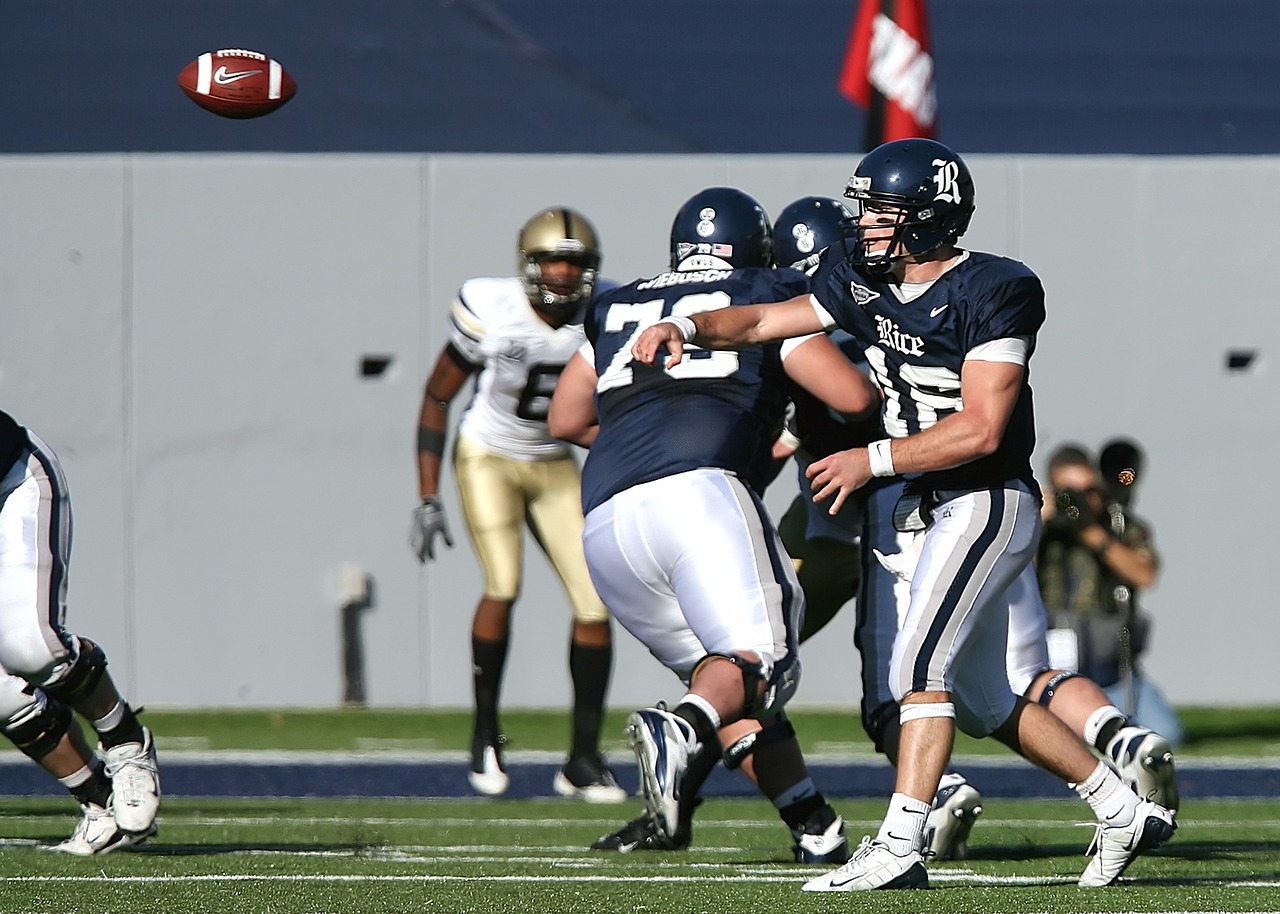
x: 838, y: 476
x: 428, y: 523
x: 654, y: 337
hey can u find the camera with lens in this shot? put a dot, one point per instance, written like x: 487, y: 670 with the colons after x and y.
x: 1073, y: 511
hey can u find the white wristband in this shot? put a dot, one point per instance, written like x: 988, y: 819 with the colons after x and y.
x: 881, y: 457
x: 685, y: 325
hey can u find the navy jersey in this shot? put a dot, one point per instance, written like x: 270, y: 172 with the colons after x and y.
x: 821, y: 430
x: 916, y: 350
x: 715, y: 409
x: 13, y: 438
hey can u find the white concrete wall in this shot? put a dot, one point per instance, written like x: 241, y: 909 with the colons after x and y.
x: 187, y: 331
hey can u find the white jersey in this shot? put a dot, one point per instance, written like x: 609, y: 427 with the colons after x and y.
x: 493, y: 326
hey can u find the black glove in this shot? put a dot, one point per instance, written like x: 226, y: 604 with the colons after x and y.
x: 428, y: 523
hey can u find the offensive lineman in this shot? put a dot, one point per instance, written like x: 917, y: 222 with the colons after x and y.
x: 515, y: 335
x: 46, y: 672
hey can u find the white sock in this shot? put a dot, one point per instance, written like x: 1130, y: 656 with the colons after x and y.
x: 1099, y: 719
x: 903, y: 826
x: 111, y: 719
x: 1113, y: 803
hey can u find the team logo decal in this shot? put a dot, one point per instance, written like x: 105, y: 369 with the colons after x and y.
x: 946, y: 180
x: 706, y: 222
x: 861, y: 294
x: 804, y: 237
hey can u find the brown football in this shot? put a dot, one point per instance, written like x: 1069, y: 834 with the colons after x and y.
x: 237, y: 83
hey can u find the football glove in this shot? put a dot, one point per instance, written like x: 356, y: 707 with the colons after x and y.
x: 428, y: 523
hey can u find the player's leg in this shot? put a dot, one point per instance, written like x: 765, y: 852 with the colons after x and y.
x: 1128, y: 826
x: 1049, y: 737
x: 35, y: 551
x: 883, y: 599
x: 827, y: 568
x: 974, y: 548
x: 555, y: 514
x: 493, y: 509
x: 45, y: 731
x: 1143, y: 756
x: 730, y: 633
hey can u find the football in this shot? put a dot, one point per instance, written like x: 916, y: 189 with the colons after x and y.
x: 237, y: 83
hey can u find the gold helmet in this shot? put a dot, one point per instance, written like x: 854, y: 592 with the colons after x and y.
x: 558, y: 233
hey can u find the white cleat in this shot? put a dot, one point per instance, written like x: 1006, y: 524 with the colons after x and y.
x: 956, y: 806
x: 589, y: 778
x: 488, y: 774
x: 821, y: 839
x: 135, y: 784
x: 873, y: 866
x: 663, y: 744
x: 1144, y: 760
x: 97, y: 833
x: 1114, y: 847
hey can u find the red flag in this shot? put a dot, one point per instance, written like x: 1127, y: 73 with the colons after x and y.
x: 888, y: 69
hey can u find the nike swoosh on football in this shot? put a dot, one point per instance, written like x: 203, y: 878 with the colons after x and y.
x: 936, y: 311
x: 222, y: 77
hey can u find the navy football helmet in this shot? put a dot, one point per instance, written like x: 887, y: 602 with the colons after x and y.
x: 926, y: 184
x: 805, y: 229
x: 721, y: 228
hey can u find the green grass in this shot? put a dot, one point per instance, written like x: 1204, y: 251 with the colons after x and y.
x: 513, y: 856
x: 464, y: 856
x: 1212, y: 732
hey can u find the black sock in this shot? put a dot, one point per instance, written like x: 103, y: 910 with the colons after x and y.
x: 129, y: 730
x: 96, y: 790
x: 797, y: 815
x: 703, y: 728
x: 487, y: 661
x: 1108, y: 732
x: 589, y: 668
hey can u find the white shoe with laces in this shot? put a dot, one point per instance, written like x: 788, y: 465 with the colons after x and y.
x: 1114, y: 847
x: 873, y: 866
x: 662, y: 743
x: 1144, y: 760
x: 97, y: 833
x: 135, y: 784
x: 956, y: 806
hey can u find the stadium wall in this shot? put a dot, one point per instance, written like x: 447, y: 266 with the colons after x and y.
x: 190, y: 333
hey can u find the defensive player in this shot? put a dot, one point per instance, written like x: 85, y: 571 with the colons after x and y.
x: 46, y: 672
x: 515, y: 334
x: 676, y: 538
x: 949, y: 335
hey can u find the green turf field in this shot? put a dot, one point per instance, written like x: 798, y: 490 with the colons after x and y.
x: 486, y: 857
x: 511, y: 856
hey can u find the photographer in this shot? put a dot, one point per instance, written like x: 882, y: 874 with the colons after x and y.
x: 1094, y: 559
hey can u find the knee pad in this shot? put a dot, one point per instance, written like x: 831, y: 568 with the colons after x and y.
x: 877, y: 720
x: 1046, y: 694
x: 776, y: 731
x: 783, y: 681
x: 38, y: 729
x: 77, y: 680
